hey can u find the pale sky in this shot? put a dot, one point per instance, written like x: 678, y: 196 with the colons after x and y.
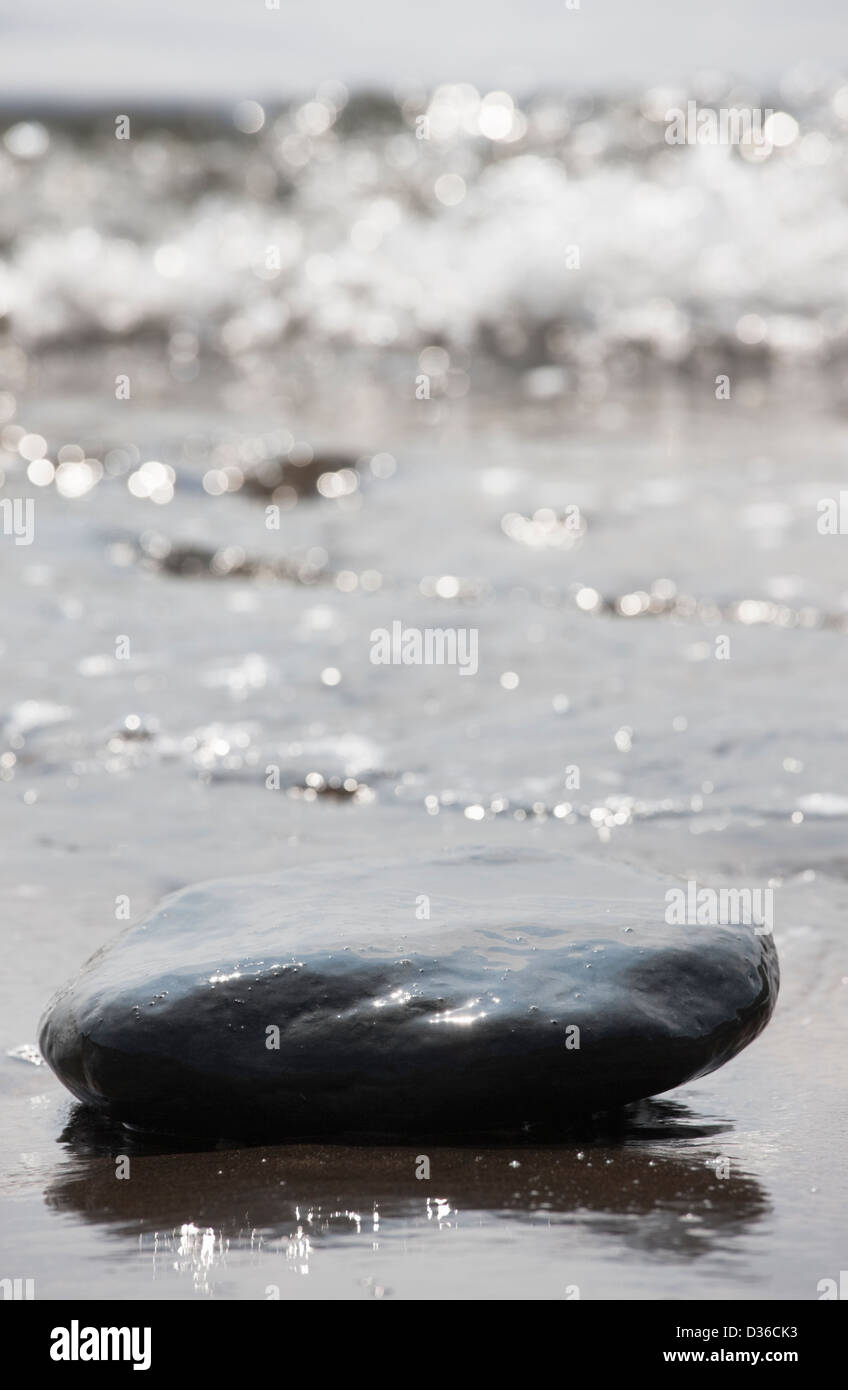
x: 92, y: 50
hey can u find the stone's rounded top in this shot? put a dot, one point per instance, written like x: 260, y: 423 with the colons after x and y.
x: 507, y: 906
x: 397, y: 998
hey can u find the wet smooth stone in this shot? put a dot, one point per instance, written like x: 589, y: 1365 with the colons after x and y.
x: 392, y: 1023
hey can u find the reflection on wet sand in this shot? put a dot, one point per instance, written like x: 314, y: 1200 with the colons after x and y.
x: 630, y: 1181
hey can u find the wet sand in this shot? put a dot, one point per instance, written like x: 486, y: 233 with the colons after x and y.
x: 732, y: 773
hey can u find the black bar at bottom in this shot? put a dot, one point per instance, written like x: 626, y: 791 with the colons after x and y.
x: 238, y: 1338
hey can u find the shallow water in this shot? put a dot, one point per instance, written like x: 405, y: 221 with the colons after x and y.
x: 225, y: 677
x: 132, y: 769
